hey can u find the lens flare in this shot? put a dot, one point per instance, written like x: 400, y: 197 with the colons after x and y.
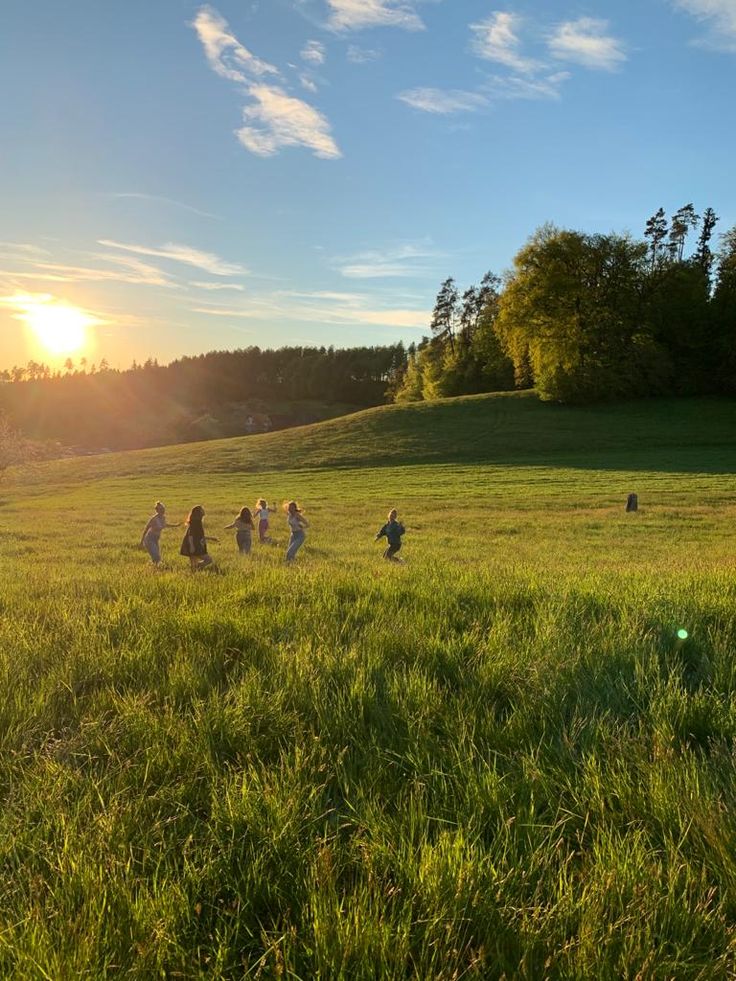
x: 682, y: 634
x: 59, y: 327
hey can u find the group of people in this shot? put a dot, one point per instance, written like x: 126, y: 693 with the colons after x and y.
x: 194, y: 544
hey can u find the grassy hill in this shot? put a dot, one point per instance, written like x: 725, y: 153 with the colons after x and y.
x: 503, y: 428
x: 495, y: 761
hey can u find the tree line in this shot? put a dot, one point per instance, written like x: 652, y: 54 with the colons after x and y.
x: 584, y: 317
x: 222, y: 393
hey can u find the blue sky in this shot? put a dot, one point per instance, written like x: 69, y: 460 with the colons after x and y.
x: 197, y: 176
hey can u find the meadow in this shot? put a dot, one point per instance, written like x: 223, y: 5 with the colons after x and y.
x: 496, y: 760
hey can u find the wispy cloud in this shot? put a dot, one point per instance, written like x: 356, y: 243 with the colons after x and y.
x: 185, y: 254
x: 441, y: 101
x: 496, y: 39
x: 719, y: 16
x: 314, y: 53
x: 21, y: 248
x: 355, y: 15
x: 218, y: 286
x: 585, y: 42
x: 274, y: 118
x: 502, y: 87
x: 401, y: 261
x: 32, y: 266
x: 277, y: 119
x: 157, y: 198
x: 224, y: 52
x: 321, y: 307
x: 362, y: 56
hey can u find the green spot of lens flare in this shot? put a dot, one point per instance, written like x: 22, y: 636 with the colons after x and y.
x: 682, y: 634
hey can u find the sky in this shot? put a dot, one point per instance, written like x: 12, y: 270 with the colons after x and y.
x: 178, y: 177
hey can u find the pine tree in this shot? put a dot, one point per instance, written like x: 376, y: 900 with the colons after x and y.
x: 655, y: 232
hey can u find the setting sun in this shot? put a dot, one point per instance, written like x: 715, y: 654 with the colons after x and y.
x: 57, y: 326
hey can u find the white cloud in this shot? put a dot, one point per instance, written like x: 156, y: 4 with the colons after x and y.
x: 400, y: 262
x: 125, y: 269
x: 442, y: 102
x: 496, y: 39
x: 354, y: 15
x: 307, y: 82
x: 13, y: 248
x: 207, y: 261
x: 361, y: 56
x: 274, y: 118
x: 585, y: 42
x: 218, y: 286
x: 524, y: 87
x: 321, y: 308
x: 225, y: 54
x: 277, y: 119
x: 314, y: 53
x: 720, y: 15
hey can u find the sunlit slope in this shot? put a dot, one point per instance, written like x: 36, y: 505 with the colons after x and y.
x: 684, y: 434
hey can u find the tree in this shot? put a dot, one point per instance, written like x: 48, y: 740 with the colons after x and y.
x: 655, y: 232
x: 682, y: 221
x: 572, y: 307
x: 445, y: 314
x: 703, y: 254
x: 724, y: 310
x: 14, y: 449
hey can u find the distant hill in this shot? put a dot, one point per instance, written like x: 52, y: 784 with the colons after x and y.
x: 514, y: 428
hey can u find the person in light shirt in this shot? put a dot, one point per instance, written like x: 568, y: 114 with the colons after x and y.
x: 151, y: 537
x: 261, y: 515
x: 297, y: 525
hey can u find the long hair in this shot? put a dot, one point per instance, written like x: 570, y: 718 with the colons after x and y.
x: 292, y: 506
x: 196, y: 515
x: 246, y: 516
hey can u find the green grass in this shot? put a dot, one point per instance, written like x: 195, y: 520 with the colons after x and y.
x: 493, y: 761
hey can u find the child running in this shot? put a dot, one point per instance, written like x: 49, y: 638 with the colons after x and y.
x: 392, y: 530
x: 151, y: 537
x: 261, y: 514
x: 297, y: 524
x: 194, y: 545
x: 243, y: 526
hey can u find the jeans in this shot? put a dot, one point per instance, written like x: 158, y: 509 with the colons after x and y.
x: 153, y: 547
x: 295, y: 543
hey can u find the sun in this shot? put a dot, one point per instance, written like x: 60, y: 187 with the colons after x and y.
x: 59, y: 327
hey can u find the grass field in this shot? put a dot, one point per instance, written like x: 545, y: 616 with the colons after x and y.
x: 494, y: 761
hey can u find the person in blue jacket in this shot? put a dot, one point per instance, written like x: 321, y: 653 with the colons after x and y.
x: 392, y: 531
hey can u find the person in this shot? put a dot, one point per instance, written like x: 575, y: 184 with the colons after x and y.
x: 262, y: 513
x: 151, y: 537
x: 194, y: 545
x: 243, y: 526
x: 392, y: 531
x: 297, y: 524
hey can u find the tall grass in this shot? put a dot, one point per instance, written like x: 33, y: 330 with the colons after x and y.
x: 495, y: 761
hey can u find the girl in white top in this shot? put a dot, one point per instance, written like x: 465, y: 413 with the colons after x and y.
x: 261, y: 516
x: 297, y: 524
x: 151, y: 537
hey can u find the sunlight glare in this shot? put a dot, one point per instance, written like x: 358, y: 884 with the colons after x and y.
x: 59, y: 327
